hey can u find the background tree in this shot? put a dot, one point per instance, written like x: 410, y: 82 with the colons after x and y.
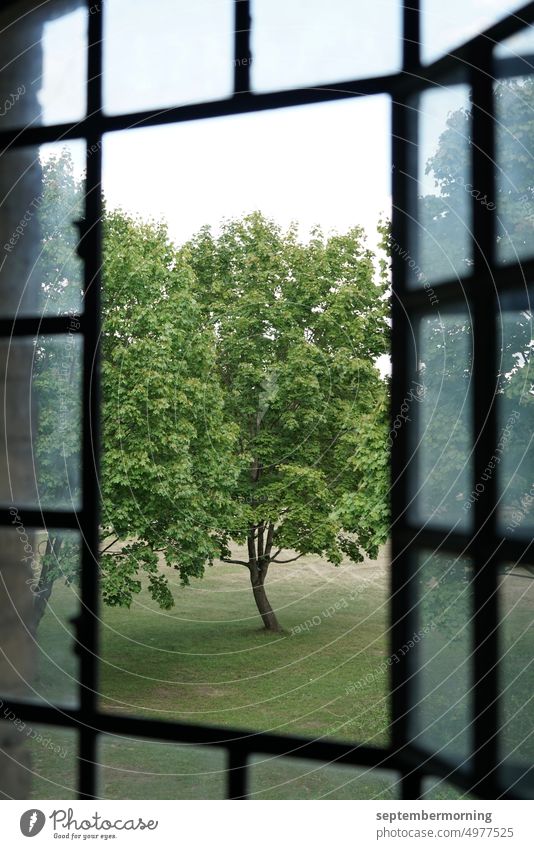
x: 447, y: 339
x: 445, y: 342
x: 57, y: 369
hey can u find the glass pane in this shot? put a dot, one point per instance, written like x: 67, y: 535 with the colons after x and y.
x: 165, y: 53
x: 514, y: 455
x: 40, y: 761
x: 206, y: 659
x: 441, y: 646
x: 440, y: 235
x: 516, y: 597
x: 42, y: 192
x: 45, y: 595
x: 439, y: 407
x: 44, y: 63
x: 305, y: 42
x: 145, y: 769
x: 445, y: 26
x: 440, y: 789
x: 296, y: 778
x: 514, y: 102
x: 40, y: 458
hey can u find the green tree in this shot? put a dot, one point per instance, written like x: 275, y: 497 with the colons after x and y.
x: 167, y: 467
x: 241, y: 400
x: 299, y: 327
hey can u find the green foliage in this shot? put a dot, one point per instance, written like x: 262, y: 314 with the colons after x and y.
x: 299, y: 326
x: 447, y: 361
x: 239, y: 392
x: 167, y: 464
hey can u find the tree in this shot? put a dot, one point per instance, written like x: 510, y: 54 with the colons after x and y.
x: 241, y: 401
x: 168, y: 467
x: 442, y: 249
x: 57, y: 369
x: 445, y: 369
x: 298, y: 329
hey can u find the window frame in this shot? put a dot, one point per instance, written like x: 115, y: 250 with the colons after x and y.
x: 480, y: 774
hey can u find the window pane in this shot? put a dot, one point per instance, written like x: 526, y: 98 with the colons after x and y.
x: 306, y: 42
x: 439, y: 788
x: 296, y: 778
x: 131, y: 768
x: 447, y: 25
x: 514, y: 102
x: 440, y: 235
x: 40, y: 761
x: 516, y: 597
x: 514, y: 454
x: 44, y: 62
x: 438, y: 405
x: 442, y: 644
x: 42, y: 380
x: 206, y: 659
x: 48, y: 565
x: 165, y: 53
x: 42, y: 193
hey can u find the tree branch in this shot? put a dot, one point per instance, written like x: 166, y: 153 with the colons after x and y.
x: 238, y: 562
x: 291, y: 559
x: 260, y: 540
x: 109, y: 546
x: 270, y: 537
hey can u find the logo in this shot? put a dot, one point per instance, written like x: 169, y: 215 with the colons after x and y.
x: 32, y: 822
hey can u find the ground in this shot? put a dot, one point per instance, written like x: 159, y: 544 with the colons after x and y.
x: 208, y: 661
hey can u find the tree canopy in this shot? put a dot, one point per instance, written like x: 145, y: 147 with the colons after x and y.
x: 241, y: 398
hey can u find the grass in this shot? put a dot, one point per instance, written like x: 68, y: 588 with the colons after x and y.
x: 209, y: 661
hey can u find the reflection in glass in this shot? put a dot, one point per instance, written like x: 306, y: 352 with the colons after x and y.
x: 442, y: 645
x: 516, y: 597
x: 44, y: 192
x: 440, y: 245
x: 514, y: 108
x: 307, y: 42
x: 514, y: 454
x: 438, y: 405
x: 51, y: 754
x: 42, y: 661
x: 440, y: 789
x: 165, y: 53
x: 44, y: 61
x: 42, y: 378
x: 447, y: 25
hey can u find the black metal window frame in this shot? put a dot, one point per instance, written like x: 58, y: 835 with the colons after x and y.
x: 474, y: 61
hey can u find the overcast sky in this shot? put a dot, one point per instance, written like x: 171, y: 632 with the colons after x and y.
x: 326, y: 164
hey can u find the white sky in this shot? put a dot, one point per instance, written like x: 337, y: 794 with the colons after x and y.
x: 326, y: 164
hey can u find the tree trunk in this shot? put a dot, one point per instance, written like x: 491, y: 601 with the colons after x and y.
x: 46, y: 582
x: 262, y: 602
x: 257, y: 579
x: 259, y: 556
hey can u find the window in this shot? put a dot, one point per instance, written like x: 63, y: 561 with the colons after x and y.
x: 460, y: 505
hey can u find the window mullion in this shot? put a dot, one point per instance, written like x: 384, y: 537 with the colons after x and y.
x: 484, y: 304
x: 90, y: 249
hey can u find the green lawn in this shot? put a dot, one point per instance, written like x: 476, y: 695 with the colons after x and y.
x: 209, y: 661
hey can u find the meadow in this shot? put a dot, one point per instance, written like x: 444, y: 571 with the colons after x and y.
x: 208, y: 660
